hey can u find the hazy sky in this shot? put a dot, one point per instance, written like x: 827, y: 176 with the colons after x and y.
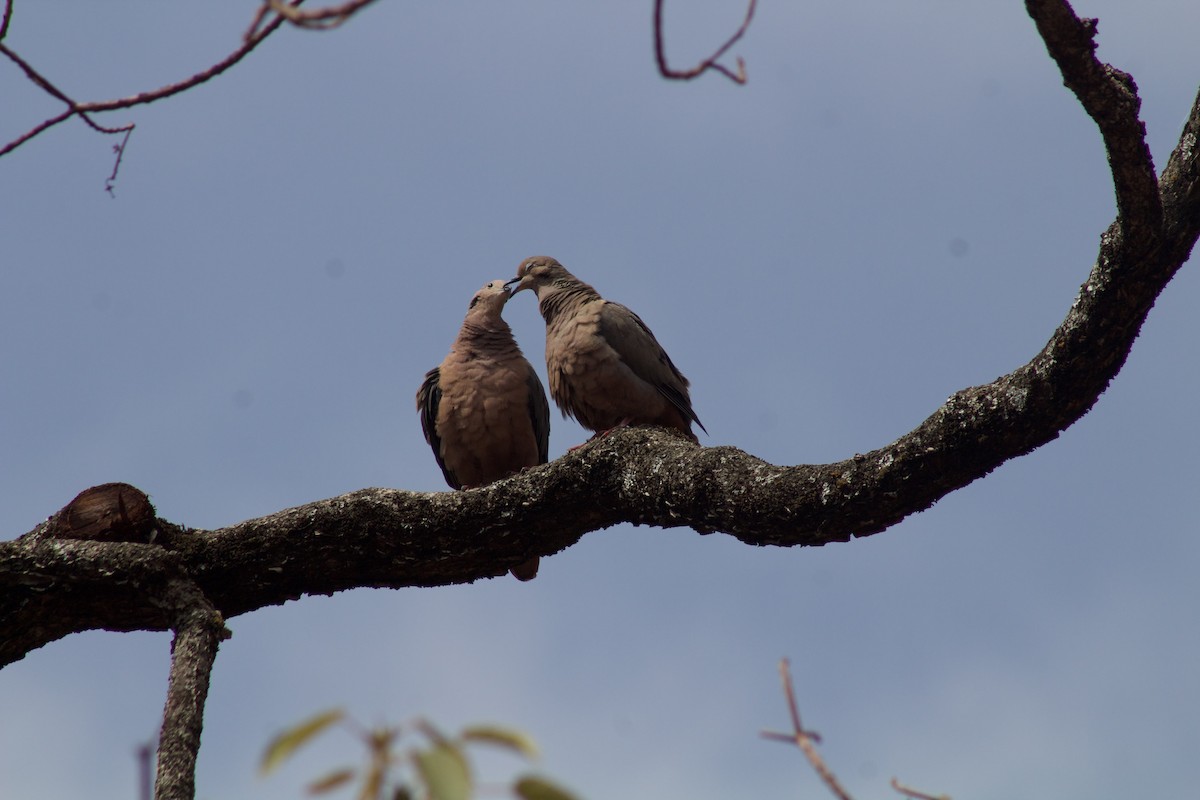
x: 902, y: 202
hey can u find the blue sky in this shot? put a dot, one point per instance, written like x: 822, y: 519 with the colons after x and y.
x: 902, y: 202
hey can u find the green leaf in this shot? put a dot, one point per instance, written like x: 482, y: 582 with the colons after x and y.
x: 535, y: 787
x: 331, y: 781
x: 514, y: 740
x: 445, y: 772
x: 291, y: 739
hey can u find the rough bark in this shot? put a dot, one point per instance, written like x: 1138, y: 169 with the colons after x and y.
x: 198, y: 631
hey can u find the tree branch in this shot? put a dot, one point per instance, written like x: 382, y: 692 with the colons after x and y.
x: 1109, y: 96
x: 1180, y: 189
x: 915, y: 794
x: 315, y: 19
x: 50, y: 588
x: 199, y: 629
x: 660, y: 54
x: 84, y: 110
x: 7, y: 18
x: 806, y: 740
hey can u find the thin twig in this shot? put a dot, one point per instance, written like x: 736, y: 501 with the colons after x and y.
x: 84, y: 110
x: 187, y: 83
x: 316, y: 19
x: 8, y: 7
x: 49, y: 88
x: 915, y: 794
x: 802, y: 738
x: 119, y: 149
x: 709, y: 63
x: 35, y: 130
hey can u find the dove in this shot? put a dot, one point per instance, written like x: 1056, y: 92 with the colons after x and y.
x: 483, y: 410
x: 604, y: 365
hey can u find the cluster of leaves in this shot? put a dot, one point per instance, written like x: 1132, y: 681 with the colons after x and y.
x: 427, y: 764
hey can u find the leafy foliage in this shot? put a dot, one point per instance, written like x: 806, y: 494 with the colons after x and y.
x: 411, y: 762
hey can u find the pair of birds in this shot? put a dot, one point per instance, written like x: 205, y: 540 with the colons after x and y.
x: 483, y: 410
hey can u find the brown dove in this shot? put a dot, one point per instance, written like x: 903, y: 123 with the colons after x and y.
x: 605, y: 367
x: 483, y: 410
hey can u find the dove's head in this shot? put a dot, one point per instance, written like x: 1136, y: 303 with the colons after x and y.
x: 539, y: 272
x: 489, y: 301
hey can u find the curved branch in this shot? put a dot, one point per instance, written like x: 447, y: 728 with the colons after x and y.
x: 660, y: 54
x: 390, y: 538
x: 319, y: 19
x: 49, y: 88
x: 1109, y: 96
x: 5, y: 19
x: 141, y: 98
x: 1180, y: 188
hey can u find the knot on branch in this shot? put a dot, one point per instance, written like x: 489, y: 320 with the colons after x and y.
x: 110, y: 512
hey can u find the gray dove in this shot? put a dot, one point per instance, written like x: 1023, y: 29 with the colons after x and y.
x: 605, y: 367
x: 483, y: 410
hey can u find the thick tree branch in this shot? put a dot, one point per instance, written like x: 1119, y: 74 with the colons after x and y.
x: 1180, y: 189
x: 50, y: 588
x: 1109, y: 96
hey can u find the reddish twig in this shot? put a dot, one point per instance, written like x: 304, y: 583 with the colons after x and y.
x: 7, y: 17
x: 119, y: 149
x: 802, y: 738
x: 52, y: 90
x: 709, y: 63
x: 85, y: 110
x: 316, y: 19
x: 916, y: 795
x: 35, y: 130
x: 73, y: 108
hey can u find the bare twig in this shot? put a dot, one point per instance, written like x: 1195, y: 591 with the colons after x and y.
x: 119, y: 149
x: 7, y: 16
x: 35, y: 130
x: 52, y: 90
x: 914, y: 794
x: 316, y: 19
x: 84, y: 110
x: 802, y: 738
x: 709, y: 63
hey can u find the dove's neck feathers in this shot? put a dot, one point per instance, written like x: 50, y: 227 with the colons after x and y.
x: 565, y: 296
x: 490, y: 336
